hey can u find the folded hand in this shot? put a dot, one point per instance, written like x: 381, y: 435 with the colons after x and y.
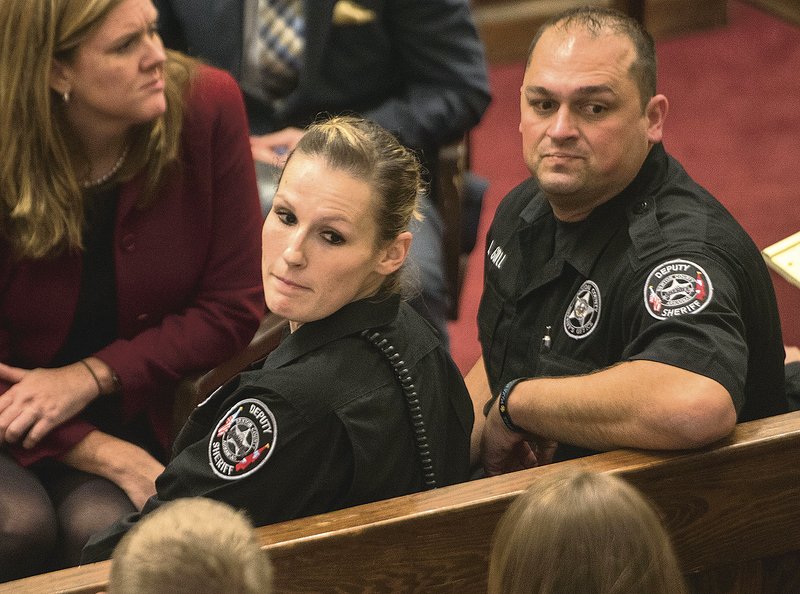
x: 504, y: 450
x: 41, y: 399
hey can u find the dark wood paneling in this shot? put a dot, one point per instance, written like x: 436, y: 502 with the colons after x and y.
x: 668, y: 18
x: 507, y: 26
x: 788, y: 10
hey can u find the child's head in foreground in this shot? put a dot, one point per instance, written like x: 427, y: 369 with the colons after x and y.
x: 192, y: 545
x: 582, y: 532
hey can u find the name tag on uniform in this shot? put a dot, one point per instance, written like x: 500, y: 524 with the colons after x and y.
x: 496, y: 255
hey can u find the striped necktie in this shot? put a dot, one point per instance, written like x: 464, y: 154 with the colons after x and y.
x: 281, y: 35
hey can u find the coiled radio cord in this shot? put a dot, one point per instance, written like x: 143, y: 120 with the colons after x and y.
x: 409, y: 392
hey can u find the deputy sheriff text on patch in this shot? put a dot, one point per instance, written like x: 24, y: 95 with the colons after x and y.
x: 676, y: 288
x: 243, y: 440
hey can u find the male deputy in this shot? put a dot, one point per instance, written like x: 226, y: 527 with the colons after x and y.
x: 623, y: 306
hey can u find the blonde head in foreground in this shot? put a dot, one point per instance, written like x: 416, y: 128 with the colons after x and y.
x: 582, y: 532
x: 191, y: 546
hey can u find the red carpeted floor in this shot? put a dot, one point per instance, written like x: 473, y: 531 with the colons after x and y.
x: 734, y: 123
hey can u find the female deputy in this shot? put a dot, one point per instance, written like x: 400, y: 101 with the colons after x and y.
x: 128, y: 258
x: 360, y: 402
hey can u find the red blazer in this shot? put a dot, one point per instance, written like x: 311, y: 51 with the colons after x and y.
x: 189, y: 292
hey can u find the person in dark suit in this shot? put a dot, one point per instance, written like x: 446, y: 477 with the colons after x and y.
x: 416, y: 68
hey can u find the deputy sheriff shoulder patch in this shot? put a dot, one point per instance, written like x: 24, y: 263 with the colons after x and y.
x: 583, y: 312
x: 676, y: 288
x: 243, y: 440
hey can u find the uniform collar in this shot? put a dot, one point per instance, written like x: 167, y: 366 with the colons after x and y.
x: 650, y: 176
x: 588, y: 240
x: 350, y: 319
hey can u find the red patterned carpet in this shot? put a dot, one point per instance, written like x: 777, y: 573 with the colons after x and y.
x: 734, y: 123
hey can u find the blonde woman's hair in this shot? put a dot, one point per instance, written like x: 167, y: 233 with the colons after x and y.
x: 370, y: 153
x: 192, y: 546
x: 41, y: 160
x: 582, y: 532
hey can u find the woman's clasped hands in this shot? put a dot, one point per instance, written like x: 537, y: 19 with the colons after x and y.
x: 40, y: 400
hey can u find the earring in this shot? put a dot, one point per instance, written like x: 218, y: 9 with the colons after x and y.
x: 65, y: 96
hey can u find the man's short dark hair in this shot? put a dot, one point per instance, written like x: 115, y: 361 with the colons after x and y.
x: 597, y: 20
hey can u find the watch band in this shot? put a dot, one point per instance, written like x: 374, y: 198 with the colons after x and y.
x: 502, y: 405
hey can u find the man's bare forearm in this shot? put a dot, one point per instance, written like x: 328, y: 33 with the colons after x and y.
x: 642, y: 404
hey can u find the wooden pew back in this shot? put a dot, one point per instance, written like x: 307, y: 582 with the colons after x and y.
x: 733, y: 510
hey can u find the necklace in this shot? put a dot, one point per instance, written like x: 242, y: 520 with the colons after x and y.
x: 92, y: 183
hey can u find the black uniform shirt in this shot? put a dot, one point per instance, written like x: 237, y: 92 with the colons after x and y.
x: 324, y: 424
x: 660, y: 272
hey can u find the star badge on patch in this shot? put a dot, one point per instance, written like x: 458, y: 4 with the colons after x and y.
x: 243, y: 439
x: 583, y: 312
x: 676, y: 288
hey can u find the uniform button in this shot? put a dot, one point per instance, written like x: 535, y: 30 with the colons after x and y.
x: 129, y: 242
x: 143, y: 317
x: 641, y: 207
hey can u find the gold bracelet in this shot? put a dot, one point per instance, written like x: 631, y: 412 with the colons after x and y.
x: 94, y: 376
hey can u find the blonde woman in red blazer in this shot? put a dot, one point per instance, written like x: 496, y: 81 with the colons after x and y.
x: 129, y: 257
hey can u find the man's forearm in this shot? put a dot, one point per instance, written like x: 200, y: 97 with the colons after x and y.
x: 640, y: 404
